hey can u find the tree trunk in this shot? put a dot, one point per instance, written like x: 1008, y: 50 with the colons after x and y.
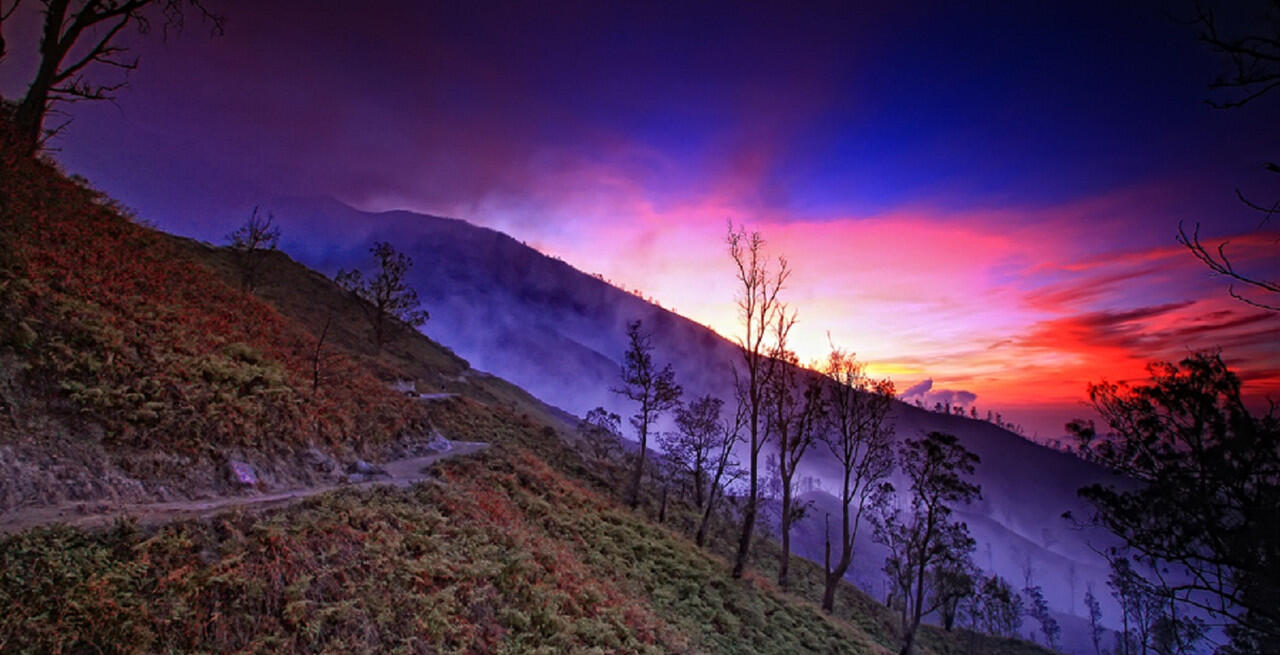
x: 639, y: 472
x: 698, y: 483
x: 29, y: 117
x: 784, y: 560
x: 846, y: 558
x: 908, y: 641
x: 701, y: 539
x: 662, y: 511
x: 748, y: 526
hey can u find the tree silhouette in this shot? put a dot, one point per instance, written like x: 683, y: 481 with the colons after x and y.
x: 860, y: 438
x: 1252, y: 61
x: 694, y: 446
x: 599, y: 431
x: 1039, y: 611
x: 1252, y: 69
x: 654, y: 389
x: 922, y: 539
x: 995, y: 608
x: 1096, y: 629
x: 759, y: 307
x: 78, y: 35
x: 1218, y: 262
x: 725, y: 469
x: 1192, y: 444
x: 386, y: 298
x: 793, y: 418
x: 251, y: 242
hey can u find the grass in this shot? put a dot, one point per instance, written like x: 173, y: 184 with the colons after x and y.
x: 148, y: 344
x: 523, y: 549
x: 485, y: 561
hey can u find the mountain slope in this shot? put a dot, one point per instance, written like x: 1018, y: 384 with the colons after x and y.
x: 129, y: 372
x: 521, y: 549
x: 559, y: 333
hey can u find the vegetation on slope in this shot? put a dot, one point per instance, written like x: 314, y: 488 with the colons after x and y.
x: 505, y: 555
x: 151, y: 347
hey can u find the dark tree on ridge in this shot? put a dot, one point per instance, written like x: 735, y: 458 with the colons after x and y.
x: 251, y: 243
x: 654, y: 389
x: 389, y: 303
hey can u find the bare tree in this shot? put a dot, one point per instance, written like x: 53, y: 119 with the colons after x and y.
x: 78, y: 35
x: 1219, y: 263
x: 599, y: 431
x: 1252, y: 60
x: 922, y: 539
x: 387, y: 299
x: 654, y: 389
x: 695, y: 443
x: 725, y: 469
x: 793, y: 421
x: 861, y: 439
x: 758, y: 308
x: 319, y: 361
x: 1252, y: 69
x: 252, y: 242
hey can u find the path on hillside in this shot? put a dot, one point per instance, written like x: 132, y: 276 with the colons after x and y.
x: 398, y: 473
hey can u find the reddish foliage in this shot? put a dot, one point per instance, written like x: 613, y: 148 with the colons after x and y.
x: 154, y: 346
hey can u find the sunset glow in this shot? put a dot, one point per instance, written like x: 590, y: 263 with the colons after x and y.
x: 1009, y: 233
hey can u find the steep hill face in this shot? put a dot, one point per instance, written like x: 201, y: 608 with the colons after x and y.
x: 559, y: 333
x: 129, y: 362
x: 130, y: 372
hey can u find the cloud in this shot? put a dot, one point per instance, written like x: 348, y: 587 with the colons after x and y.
x: 918, y: 388
x: 928, y: 396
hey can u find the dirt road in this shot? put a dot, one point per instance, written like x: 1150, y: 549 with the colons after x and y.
x: 399, y: 473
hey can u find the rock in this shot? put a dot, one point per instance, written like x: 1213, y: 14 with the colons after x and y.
x: 319, y: 460
x: 406, y: 387
x: 242, y: 473
x: 440, y: 445
x: 364, y: 468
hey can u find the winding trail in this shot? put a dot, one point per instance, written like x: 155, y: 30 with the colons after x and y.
x: 399, y: 473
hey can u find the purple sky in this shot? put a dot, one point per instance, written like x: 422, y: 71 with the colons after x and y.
x: 983, y: 199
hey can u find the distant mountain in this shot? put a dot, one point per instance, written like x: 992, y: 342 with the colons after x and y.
x: 559, y: 333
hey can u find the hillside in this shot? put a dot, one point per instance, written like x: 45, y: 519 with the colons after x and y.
x: 128, y: 373
x: 511, y: 310
x: 133, y: 371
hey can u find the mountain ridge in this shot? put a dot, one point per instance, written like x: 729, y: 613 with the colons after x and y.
x: 488, y: 292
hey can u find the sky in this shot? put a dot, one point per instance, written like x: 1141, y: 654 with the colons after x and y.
x: 973, y: 199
